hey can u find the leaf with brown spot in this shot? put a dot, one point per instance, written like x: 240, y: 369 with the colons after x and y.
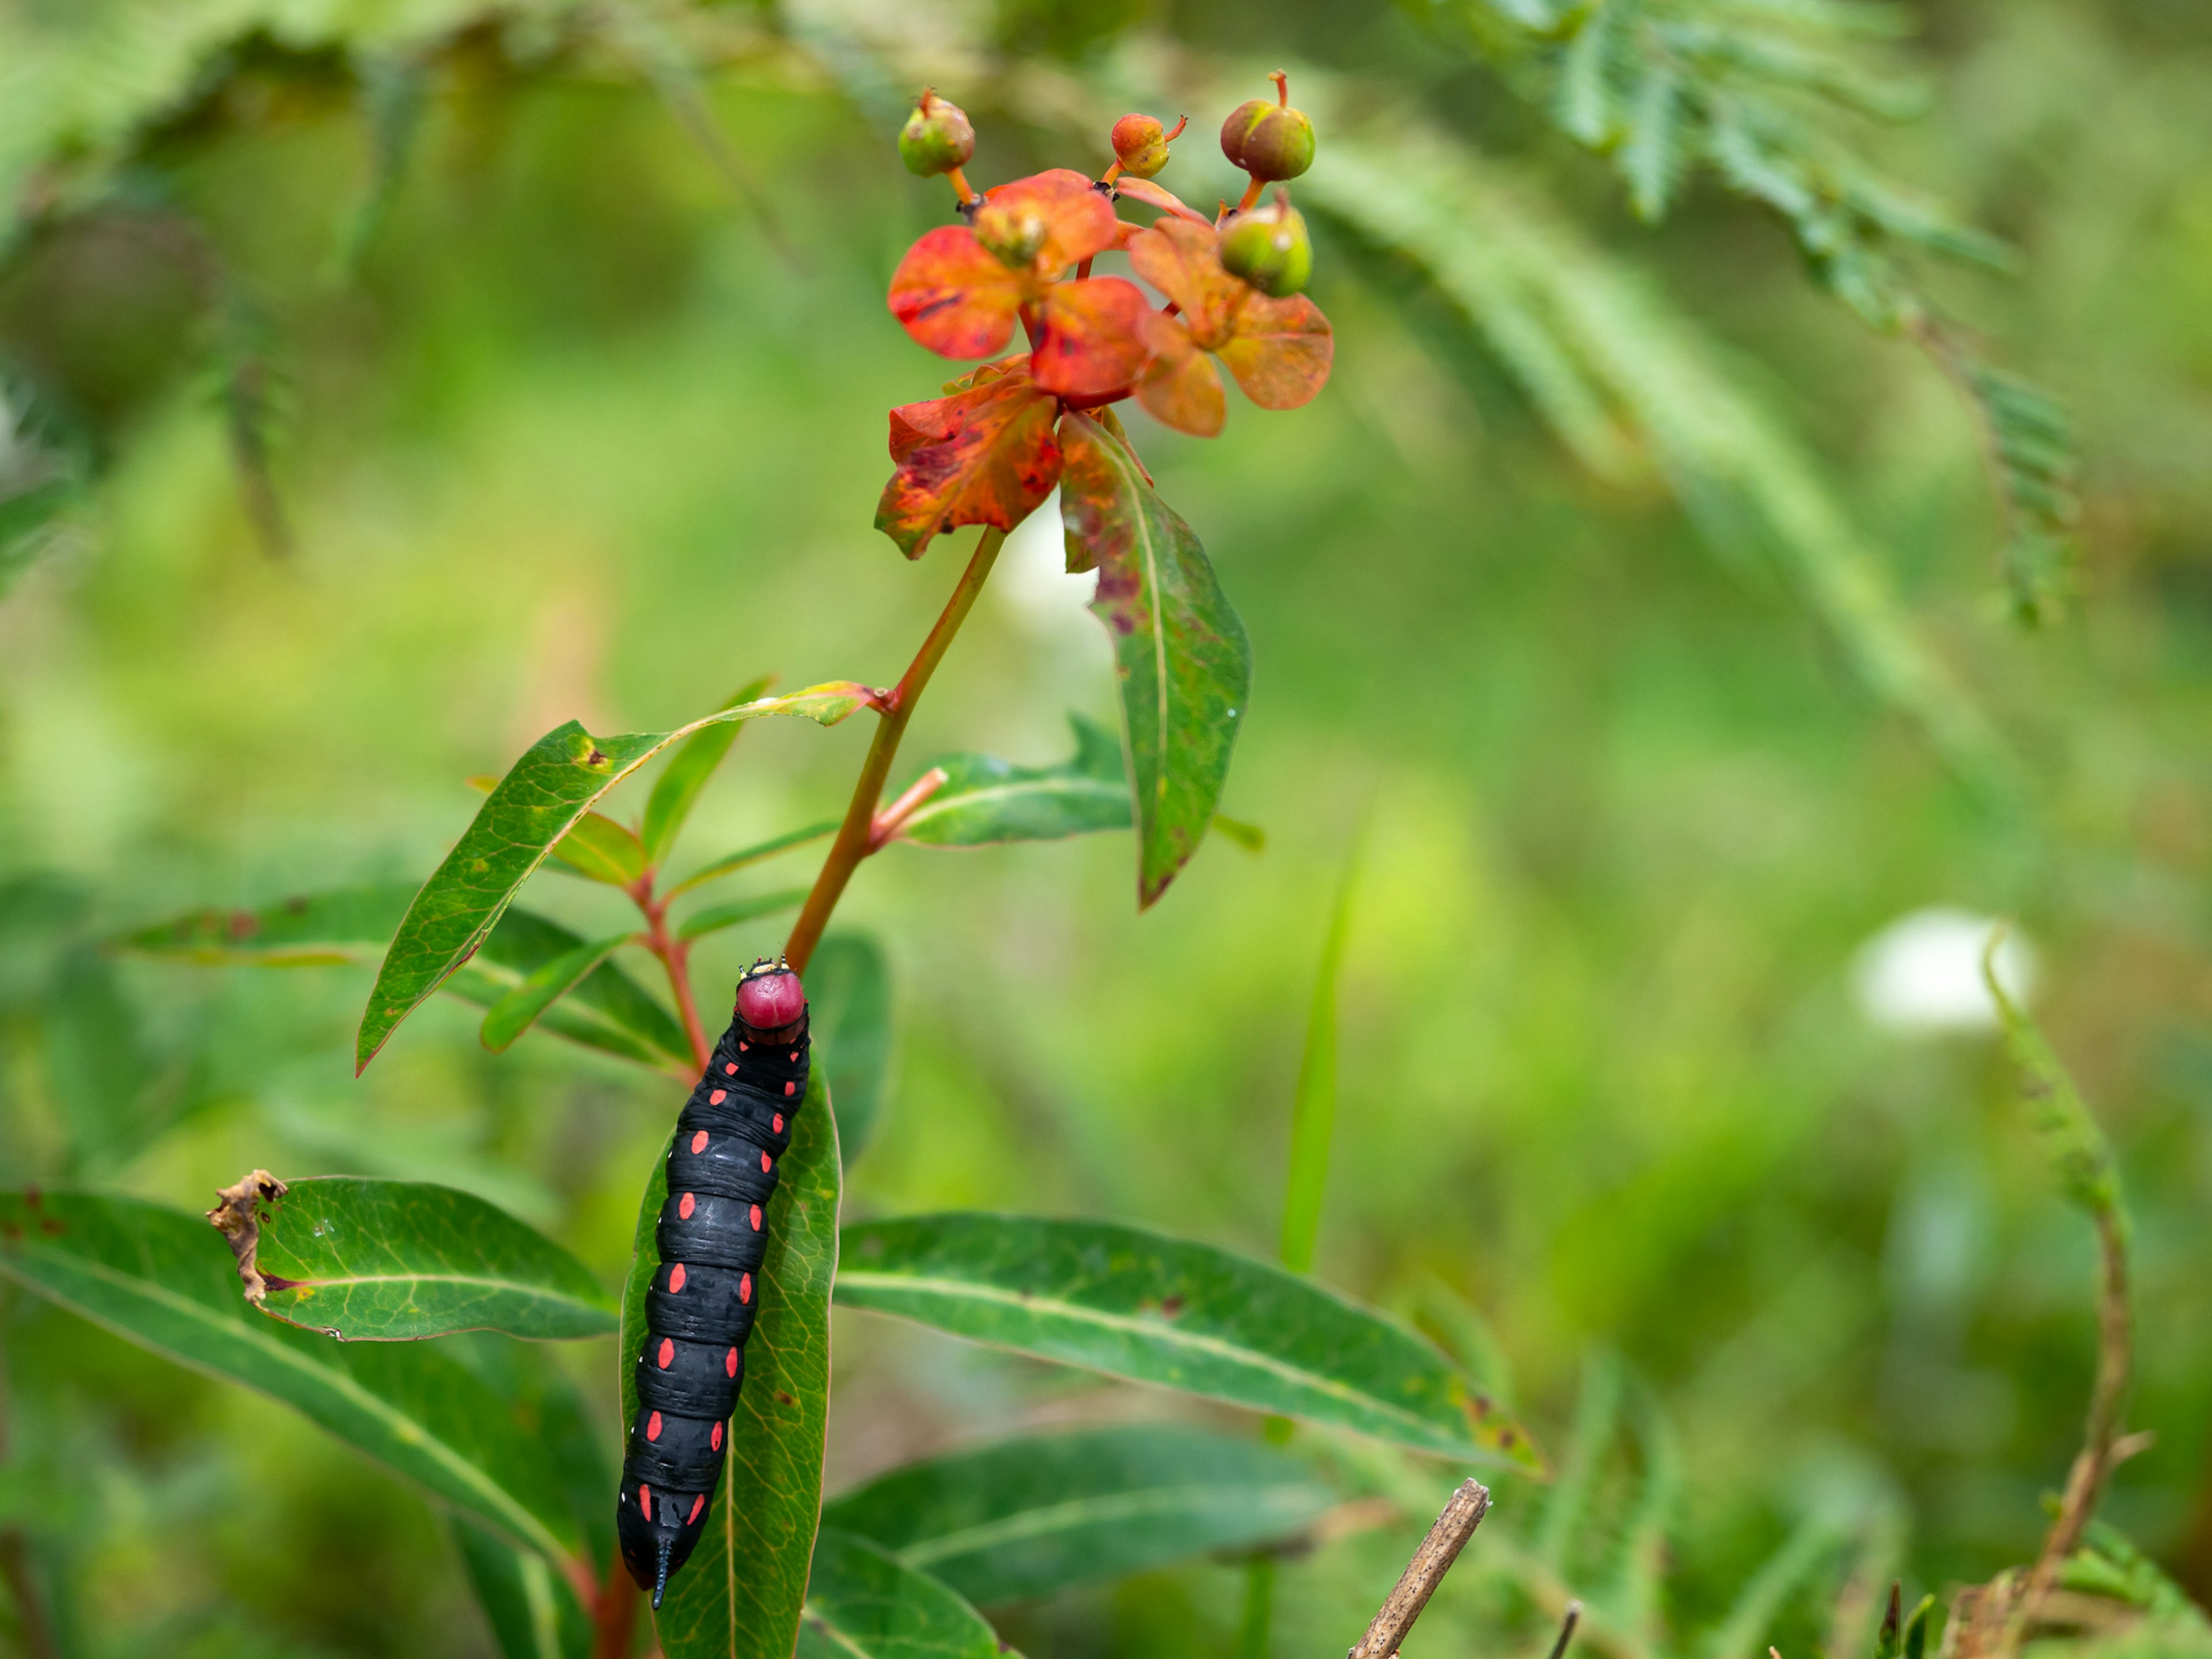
x: 985, y: 456
x: 953, y: 296
x: 1180, y: 386
x: 1281, y: 351
x: 1089, y: 336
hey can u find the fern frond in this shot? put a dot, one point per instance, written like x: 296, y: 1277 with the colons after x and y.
x: 42, y: 477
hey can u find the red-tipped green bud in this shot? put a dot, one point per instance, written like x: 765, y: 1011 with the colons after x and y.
x: 936, y: 138
x: 1140, y: 144
x: 770, y: 997
x: 1269, y: 248
x: 1271, y: 142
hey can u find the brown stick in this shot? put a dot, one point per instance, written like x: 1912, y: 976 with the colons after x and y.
x: 1430, y: 1562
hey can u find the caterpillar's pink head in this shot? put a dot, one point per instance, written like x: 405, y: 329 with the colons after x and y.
x: 770, y: 997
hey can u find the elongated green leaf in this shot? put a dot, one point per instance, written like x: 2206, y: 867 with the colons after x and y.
x: 754, y: 854
x: 396, y: 1260
x: 676, y: 790
x: 608, y: 1011
x: 532, y: 1611
x: 1597, y: 1422
x: 1030, y: 1516
x: 715, y: 917
x: 984, y: 799
x: 1313, y: 1117
x: 1809, y: 1549
x: 1184, y: 664
x: 849, y: 990
x: 351, y: 924
x: 739, y: 1596
x: 166, y: 1280
x: 863, y: 1602
x: 603, y: 850
x: 1154, y: 1309
x: 522, y: 1007
x: 563, y: 774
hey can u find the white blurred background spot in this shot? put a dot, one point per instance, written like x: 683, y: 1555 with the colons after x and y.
x: 1031, y: 577
x: 1923, y: 973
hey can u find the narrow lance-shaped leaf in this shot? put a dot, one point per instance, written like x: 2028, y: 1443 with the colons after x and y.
x: 602, y: 850
x: 864, y: 1603
x: 716, y: 917
x: 1176, y: 1313
x: 532, y: 1611
x: 984, y: 799
x: 754, y: 854
x: 849, y: 996
x: 1030, y: 1516
x: 522, y: 1007
x: 1313, y: 1118
x: 1184, y: 664
x: 739, y: 1596
x: 164, y: 1279
x: 563, y: 774
x: 396, y: 1261
x: 676, y: 790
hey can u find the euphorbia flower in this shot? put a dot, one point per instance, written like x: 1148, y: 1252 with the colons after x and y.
x: 1279, y: 351
x: 959, y: 290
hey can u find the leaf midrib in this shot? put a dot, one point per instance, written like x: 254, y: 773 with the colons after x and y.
x: 1113, y: 791
x: 1076, y: 1512
x: 407, y: 1430
x: 505, y: 1287
x: 1152, y: 1330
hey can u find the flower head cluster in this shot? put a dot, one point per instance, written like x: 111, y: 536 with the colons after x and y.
x: 986, y: 452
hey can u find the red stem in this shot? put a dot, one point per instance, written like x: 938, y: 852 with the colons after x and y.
x: 675, y: 956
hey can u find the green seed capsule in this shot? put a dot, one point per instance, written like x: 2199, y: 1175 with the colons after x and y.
x: 936, y: 138
x: 1269, y: 248
x: 1271, y: 142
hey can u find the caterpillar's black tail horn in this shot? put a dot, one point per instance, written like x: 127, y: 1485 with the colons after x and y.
x: 661, y: 1578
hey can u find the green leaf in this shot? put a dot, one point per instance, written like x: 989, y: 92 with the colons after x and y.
x: 1808, y: 1549
x: 532, y: 1611
x: 984, y: 799
x: 549, y: 789
x: 1597, y: 1421
x: 1171, y: 1311
x: 849, y: 990
x: 862, y: 1603
x: 754, y: 854
x: 396, y: 1260
x: 521, y: 1008
x: 1313, y: 1118
x: 603, y: 850
x: 1184, y: 664
x: 716, y: 917
x: 676, y: 790
x: 1030, y: 1516
x: 2080, y: 1156
x: 351, y: 924
x: 739, y: 1596
x: 608, y: 1011
x: 166, y: 1280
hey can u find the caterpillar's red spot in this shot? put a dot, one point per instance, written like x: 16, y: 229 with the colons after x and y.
x: 653, y: 1427
x: 743, y: 1046
x: 755, y: 1217
x: 745, y: 1288
x: 730, y: 1066
x: 715, y: 1439
x: 779, y: 1123
x: 644, y: 1500
x: 685, y: 1205
x: 729, y: 1362
x: 794, y: 1056
x: 667, y: 1353
x: 697, y: 1503
x: 791, y: 1088
x: 699, y: 1140
x: 675, y: 1279
x: 764, y: 1163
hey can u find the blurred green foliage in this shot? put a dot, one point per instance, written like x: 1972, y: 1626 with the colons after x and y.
x: 436, y: 396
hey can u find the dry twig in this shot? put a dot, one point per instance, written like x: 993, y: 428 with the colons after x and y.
x: 1430, y: 1562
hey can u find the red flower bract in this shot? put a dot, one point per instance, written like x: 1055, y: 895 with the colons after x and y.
x: 982, y: 455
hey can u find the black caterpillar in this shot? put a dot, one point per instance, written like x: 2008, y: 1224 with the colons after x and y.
x: 722, y: 1169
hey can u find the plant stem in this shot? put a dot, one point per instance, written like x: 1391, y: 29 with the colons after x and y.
x: 615, y: 1614
x: 1259, y: 1607
x: 675, y: 956
x: 856, y: 835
